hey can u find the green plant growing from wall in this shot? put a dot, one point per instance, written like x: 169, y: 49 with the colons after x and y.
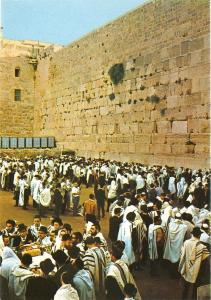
x: 116, y: 73
x: 162, y: 112
x: 142, y: 87
x: 112, y: 96
x: 153, y: 99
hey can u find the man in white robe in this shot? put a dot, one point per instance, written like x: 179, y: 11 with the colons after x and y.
x: 193, y: 253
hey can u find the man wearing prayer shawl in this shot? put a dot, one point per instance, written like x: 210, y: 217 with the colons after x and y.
x: 9, y: 261
x: 117, y: 276
x: 156, y: 244
x: 193, y: 253
x: 95, y: 262
x: 175, y: 236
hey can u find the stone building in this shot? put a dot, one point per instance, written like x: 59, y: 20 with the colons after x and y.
x: 136, y: 89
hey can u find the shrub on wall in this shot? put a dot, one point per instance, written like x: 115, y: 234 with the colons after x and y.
x: 153, y: 99
x: 116, y: 73
x: 112, y: 96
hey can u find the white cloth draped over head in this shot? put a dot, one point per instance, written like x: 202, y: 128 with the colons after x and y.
x: 175, y: 237
x: 125, y: 235
x: 9, y: 261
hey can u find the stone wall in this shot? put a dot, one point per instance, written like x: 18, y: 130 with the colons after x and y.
x: 162, y: 102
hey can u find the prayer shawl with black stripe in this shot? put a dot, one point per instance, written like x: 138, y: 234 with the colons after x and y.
x: 95, y: 262
x: 120, y: 272
x: 192, y: 254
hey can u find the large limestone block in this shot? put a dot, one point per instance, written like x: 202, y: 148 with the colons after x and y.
x: 163, y: 126
x: 179, y: 127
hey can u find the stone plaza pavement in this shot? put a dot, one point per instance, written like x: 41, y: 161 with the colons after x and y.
x: 151, y: 288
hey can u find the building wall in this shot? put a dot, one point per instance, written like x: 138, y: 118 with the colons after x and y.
x: 17, y: 117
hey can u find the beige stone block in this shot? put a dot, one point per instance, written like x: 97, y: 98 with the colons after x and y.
x: 141, y: 148
x: 202, y: 148
x: 204, y: 84
x: 179, y: 127
x: 158, y: 138
x: 195, y: 57
x: 178, y: 139
x: 163, y: 126
x: 146, y: 127
x: 197, y: 44
x: 160, y: 148
x: 143, y: 138
x: 199, y: 126
x: 131, y: 148
x: 173, y: 101
x: 185, y: 47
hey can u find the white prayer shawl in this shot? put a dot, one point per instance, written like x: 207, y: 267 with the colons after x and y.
x: 205, y: 238
x: 194, y: 211
x: 125, y: 235
x: 45, y: 197
x: 9, y: 261
x: 166, y: 216
x: 120, y: 272
x: 203, y: 214
x: 66, y: 292
x: 192, y: 254
x: 150, y: 179
x: 181, y: 187
x: 3, y: 177
x: 16, y: 175
x: 175, y: 237
x: 140, y: 182
x: 112, y: 189
x: 153, y: 254
x: 37, y: 191
x: 22, y: 185
x: 18, y: 282
x: 171, y: 185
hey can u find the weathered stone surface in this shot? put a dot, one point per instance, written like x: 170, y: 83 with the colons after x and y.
x: 179, y: 127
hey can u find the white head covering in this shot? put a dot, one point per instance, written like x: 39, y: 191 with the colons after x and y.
x: 9, y: 262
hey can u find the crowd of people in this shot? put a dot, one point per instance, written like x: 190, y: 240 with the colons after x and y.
x: 158, y: 215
